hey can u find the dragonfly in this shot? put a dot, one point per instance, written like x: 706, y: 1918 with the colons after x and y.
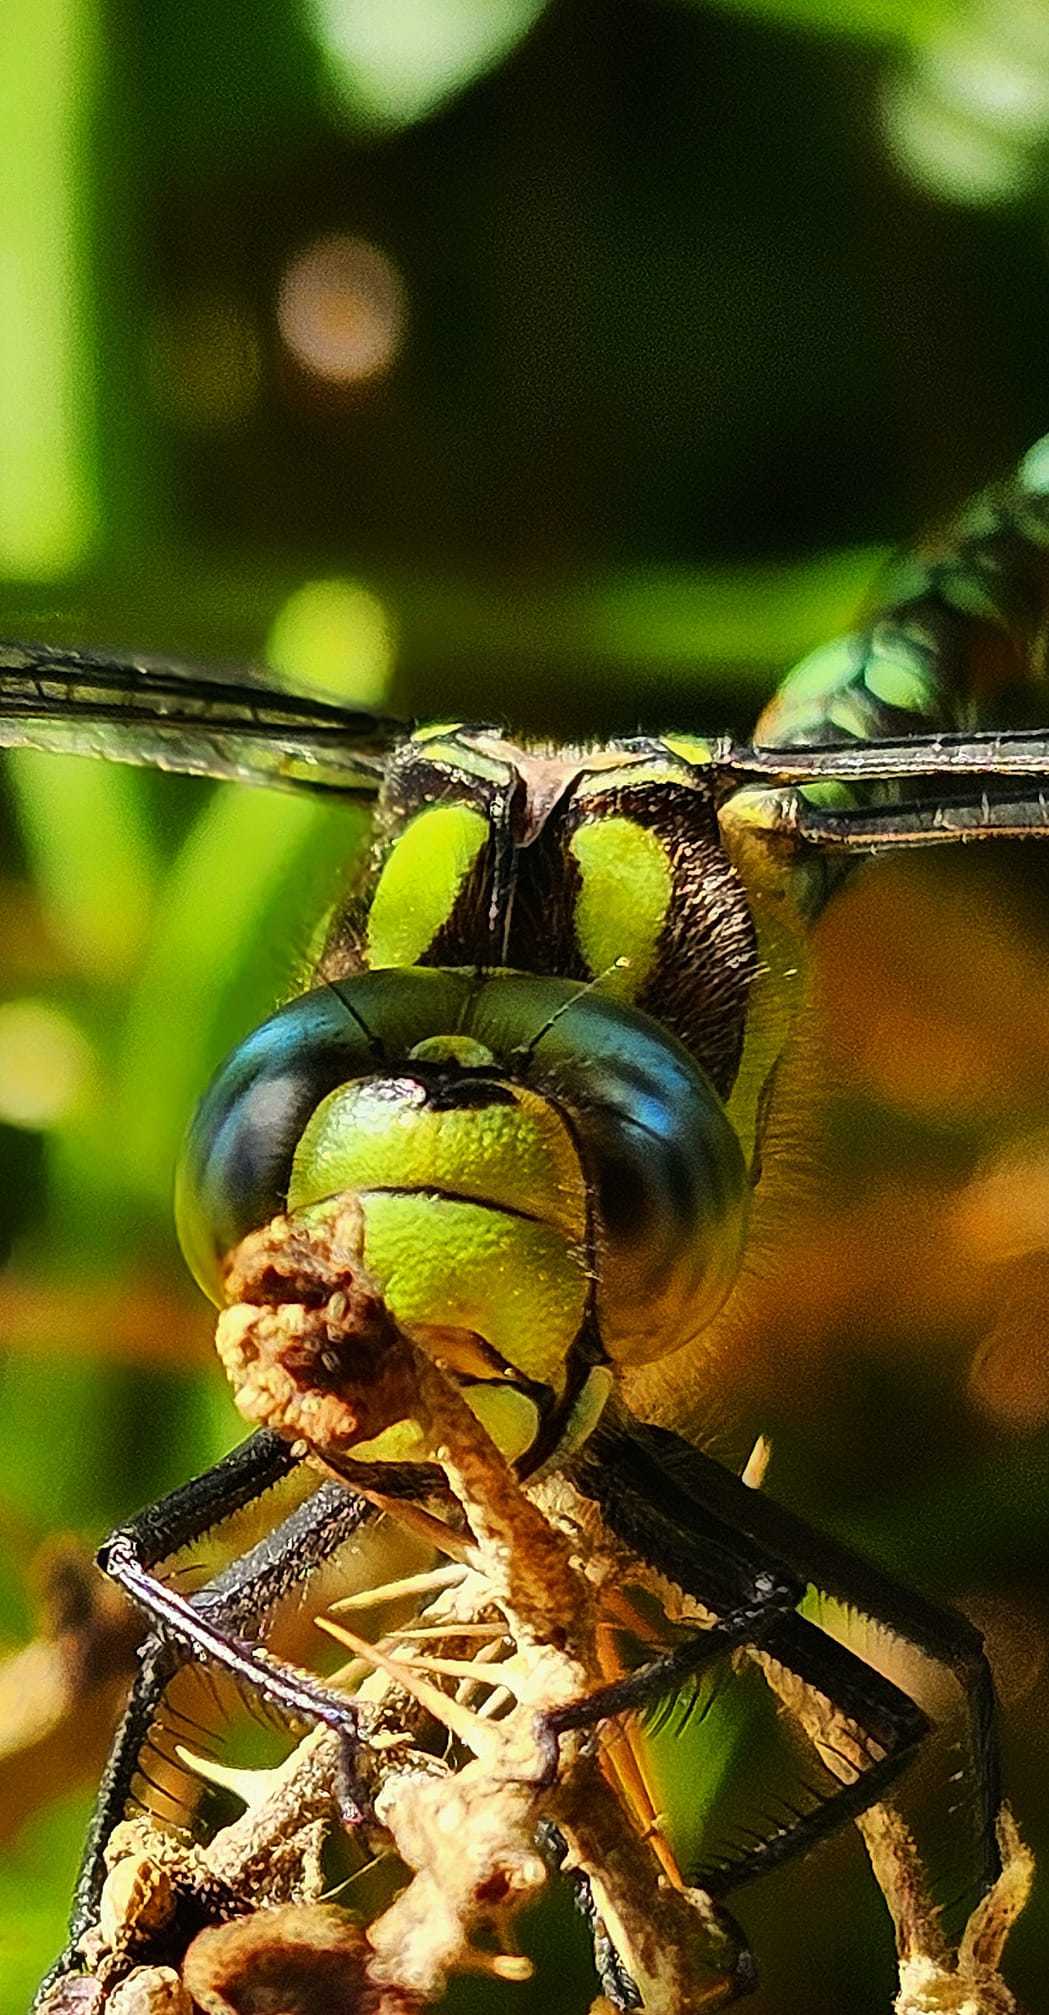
x: 539, y: 1050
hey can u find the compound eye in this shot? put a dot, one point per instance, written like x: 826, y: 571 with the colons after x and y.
x: 667, y: 1173
x: 236, y: 1162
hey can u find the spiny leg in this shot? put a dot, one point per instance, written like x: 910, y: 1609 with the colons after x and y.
x: 855, y: 1694
x: 201, y: 1623
x: 941, y: 1635
x: 195, y: 1508
x: 236, y: 1600
x: 681, y: 1514
x: 185, y: 1515
x: 772, y: 1597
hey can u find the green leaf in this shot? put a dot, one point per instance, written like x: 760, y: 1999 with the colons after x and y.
x: 87, y: 833
x: 35, y: 1884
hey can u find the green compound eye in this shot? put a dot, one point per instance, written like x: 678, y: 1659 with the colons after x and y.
x: 666, y: 1173
x: 521, y: 1100
x: 236, y: 1161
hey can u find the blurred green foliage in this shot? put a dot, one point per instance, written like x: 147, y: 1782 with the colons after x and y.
x: 679, y: 320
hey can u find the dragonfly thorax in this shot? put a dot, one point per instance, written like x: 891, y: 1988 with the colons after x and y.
x: 602, y: 863
x: 548, y: 1184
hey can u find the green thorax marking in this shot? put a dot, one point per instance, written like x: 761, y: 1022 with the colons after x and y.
x: 601, y: 864
x: 421, y: 880
x: 624, y: 900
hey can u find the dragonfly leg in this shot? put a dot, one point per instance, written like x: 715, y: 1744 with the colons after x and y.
x: 210, y: 1632
x: 690, y: 1519
x: 773, y: 1597
x: 948, y: 1640
x: 885, y: 1715
x: 237, y: 1600
x: 856, y: 1693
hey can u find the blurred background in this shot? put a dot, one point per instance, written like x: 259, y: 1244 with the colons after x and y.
x: 579, y: 362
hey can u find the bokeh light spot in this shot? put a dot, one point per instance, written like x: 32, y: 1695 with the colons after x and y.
x: 336, y: 635
x: 394, y: 61
x: 341, y: 310
x: 44, y: 1064
x: 1009, y: 1375
x: 947, y: 153
x: 1034, y: 469
x: 967, y: 121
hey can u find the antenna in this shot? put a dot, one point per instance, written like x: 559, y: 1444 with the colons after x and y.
x: 528, y: 1049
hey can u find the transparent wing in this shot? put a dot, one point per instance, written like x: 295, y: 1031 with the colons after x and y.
x: 170, y: 716
x: 920, y: 821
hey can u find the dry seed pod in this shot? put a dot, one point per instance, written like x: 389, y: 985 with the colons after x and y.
x: 296, y: 1959
x: 307, y: 1344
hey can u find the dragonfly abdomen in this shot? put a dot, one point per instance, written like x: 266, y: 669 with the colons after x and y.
x: 959, y: 640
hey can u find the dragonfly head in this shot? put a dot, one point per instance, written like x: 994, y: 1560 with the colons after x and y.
x: 548, y: 1185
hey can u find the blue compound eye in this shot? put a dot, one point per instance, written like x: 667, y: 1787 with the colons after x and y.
x: 236, y: 1162
x: 233, y: 1174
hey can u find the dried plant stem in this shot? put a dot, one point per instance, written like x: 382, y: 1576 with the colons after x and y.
x: 456, y: 1767
x: 933, y: 1979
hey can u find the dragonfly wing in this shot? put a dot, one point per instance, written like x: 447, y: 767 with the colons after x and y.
x: 962, y: 787
x: 1016, y: 752
x: 173, y: 716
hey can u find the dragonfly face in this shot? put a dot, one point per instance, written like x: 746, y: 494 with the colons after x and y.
x: 535, y: 1057
x: 533, y: 1007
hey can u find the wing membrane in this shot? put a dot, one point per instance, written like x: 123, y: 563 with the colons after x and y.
x: 173, y: 716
